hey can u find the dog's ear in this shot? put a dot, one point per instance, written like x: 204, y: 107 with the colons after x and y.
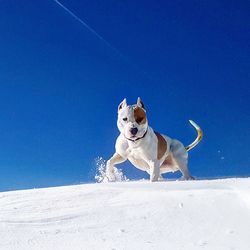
x: 140, y: 103
x: 122, y: 104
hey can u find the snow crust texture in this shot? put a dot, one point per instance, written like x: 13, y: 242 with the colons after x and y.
x: 187, y: 215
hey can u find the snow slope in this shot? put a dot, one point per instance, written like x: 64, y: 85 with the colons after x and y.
x: 140, y: 215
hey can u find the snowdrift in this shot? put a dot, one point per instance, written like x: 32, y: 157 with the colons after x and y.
x: 190, y: 215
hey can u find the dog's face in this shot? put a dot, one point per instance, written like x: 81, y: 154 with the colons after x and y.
x: 132, y: 120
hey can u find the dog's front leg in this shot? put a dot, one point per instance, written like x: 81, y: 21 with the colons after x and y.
x: 115, y: 159
x: 154, y: 170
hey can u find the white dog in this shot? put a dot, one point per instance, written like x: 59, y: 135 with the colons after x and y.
x: 146, y: 149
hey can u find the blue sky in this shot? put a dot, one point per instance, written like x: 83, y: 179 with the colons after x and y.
x: 60, y: 85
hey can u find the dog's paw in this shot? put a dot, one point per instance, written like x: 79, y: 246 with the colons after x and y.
x: 161, y: 178
x: 110, y: 176
x: 154, y: 178
x: 110, y: 173
x: 115, y: 175
x: 186, y: 178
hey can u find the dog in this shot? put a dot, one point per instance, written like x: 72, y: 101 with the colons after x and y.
x: 147, y: 149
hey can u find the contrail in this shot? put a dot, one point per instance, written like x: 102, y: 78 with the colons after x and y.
x: 89, y: 28
x: 104, y: 40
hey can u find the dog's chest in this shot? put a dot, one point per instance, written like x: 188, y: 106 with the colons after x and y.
x: 139, y: 157
x: 137, y: 153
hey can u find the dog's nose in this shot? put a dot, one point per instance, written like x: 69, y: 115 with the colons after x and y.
x: 134, y: 131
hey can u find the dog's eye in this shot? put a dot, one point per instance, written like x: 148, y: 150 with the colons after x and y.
x: 125, y: 119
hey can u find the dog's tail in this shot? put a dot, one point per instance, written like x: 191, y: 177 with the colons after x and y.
x: 198, y: 138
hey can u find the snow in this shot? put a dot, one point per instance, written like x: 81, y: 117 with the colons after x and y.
x: 205, y: 214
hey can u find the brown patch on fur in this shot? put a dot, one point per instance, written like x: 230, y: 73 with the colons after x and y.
x: 140, y: 115
x: 162, y: 145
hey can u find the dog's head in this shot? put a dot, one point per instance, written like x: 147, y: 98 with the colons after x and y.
x: 132, y: 120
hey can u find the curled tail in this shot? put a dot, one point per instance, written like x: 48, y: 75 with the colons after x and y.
x: 198, y: 138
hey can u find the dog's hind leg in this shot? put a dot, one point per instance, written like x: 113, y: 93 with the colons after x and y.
x: 185, y: 172
x: 180, y: 156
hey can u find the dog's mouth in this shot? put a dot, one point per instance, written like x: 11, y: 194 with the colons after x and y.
x: 133, y: 136
x: 136, y: 137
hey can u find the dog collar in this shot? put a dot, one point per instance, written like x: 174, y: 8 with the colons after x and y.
x: 137, y: 138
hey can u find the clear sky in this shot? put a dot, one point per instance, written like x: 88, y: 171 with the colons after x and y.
x: 60, y: 85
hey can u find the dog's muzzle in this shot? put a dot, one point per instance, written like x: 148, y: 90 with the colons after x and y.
x: 133, y: 131
x: 134, y: 140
